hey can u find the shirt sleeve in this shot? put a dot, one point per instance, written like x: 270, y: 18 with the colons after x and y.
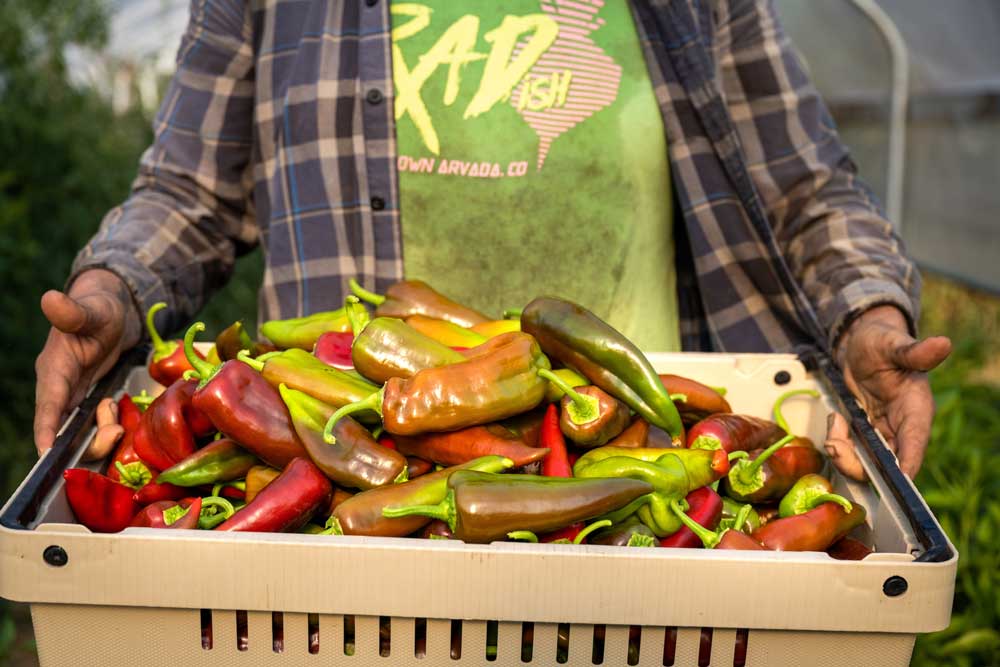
x: 831, y: 231
x: 176, y: 236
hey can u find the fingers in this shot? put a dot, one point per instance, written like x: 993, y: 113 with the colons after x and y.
x: 840, y: 448
x: 48, y: 416
x: 64, y: 312
x: 109, y: 432
x: 922, y: 355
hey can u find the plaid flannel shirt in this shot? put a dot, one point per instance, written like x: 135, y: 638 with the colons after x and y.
x: 271, y: 133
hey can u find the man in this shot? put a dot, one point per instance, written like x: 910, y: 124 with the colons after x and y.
x: 663, y: 162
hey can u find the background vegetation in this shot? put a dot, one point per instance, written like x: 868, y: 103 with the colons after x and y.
x: 68, y: 159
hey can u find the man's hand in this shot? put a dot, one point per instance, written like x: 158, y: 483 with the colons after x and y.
x: 887, y: 370
x: 91, y: 326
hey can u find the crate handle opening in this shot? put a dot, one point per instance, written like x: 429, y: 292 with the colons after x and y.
x: 492, y: 640
x: 669, y: 646
x: 456, y: 639
x: 740, y: 651
x: 206, y: 629
x: 420, y: 638
x: 277, y: 632
x: 242, y: 631
x: 312, y: 623
x: 384, y: 636
x: 634, y: 644
x: 349, y: 635
x: 597, y: 652
x: 527, y: 641
x: 705, y: 648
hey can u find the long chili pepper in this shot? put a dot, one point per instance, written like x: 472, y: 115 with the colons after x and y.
x: 415, y: 297
x: 388, y: 348
x: 355, y: 460
x: 219, y: 461
x: 556, y: 462
x: 99, y: 503
x: 703, y: 466
x: 244, y: 407
x: 705, y: 508
x: 235, y: 338
x: 496, y: 327
x: 483, y: 507
x: 590, y: 416
x: 480, y: 390
x: 362, y: 514
x: 732, y: 432
x: 580, y: 339
x: 635, y: 434
x: 725, y: 539
x: 257, y: 478
x: 700, y: 401
x: 167, y: 363
x: 444, y: 332
x: 303, y: 332
x: 169, y: 514
x: 285, y: 504
x: 809, y: 492
x: 748, y: 479
x: 129, y: 416
x: 455, y: 447
x: 164, y: 435
x: 814, y: 530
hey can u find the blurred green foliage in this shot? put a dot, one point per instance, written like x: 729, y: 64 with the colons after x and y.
x: 68, y: 159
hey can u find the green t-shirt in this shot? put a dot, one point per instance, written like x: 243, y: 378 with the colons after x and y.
x: 532, y: 160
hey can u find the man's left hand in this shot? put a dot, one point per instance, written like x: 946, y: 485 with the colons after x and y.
x: 886, y: 369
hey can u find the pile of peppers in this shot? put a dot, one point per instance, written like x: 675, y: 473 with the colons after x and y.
x: 425, y: 418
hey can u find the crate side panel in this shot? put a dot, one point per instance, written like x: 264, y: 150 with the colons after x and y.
x: 828, y: 649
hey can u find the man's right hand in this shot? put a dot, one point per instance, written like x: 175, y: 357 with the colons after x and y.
x: 92, y: 325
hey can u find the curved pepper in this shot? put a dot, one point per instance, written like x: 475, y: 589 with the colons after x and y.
x: 703, y: 467
x: 807, y: 493
x: 732, y: 432
x: 222, y: 460
x: 700, y: 401
x: 164, y: 435
x: 725, y: 539
x: 167, y: 363
x: 244, y: 407
x: 169, y: 514
x: 483, y: 389
x: 556, y: 462
x: 99, y: 503
x: 388, y: 348
x: 814, y: 530
x: 484, y: 507
x: 356, y: 460
x: 635, y: 434
x: 768, y: 475
x: 129, y: 416
x: 303, y: 332
x: 580, y: 339
x: 455, y: 447
x: 705, y: 508
x: 444, y: 332
x: 362, y: 513
x: 257, y: 478
x: 496, y: 327
x: 590, y: 416
x: 415, y: 297
x: 287, y: 503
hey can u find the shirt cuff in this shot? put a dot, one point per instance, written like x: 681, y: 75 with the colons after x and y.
x: 854, y: 299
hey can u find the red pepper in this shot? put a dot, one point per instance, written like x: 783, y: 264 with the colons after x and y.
x: 244, y: 406
x: 166, y: 434
x: 814, y: 530
x: 699, y: 400
x: 727, y: 539
x: 129, y: 416
x: 158, y: 514
x: 416, y: 466
x: 98, y: 502
x: 334, y: 348
x: 168, y: 363
x: 732, y: 432
x: 705, y: 508
x: 568, y: 533
x: 848, y: 548
x: 287, y: 503
x: 153, y: 492
x: 388, y: 443
x: 556, y: 462
x: 455, y: 447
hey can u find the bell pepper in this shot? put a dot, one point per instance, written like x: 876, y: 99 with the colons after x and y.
x: 388, y: 348
x: 700, y: 401
x: 724, y: 539
x: 169, y: 514
x: 808, y: 492
x: 767, y: 475
x: 415, y: 297
x: 480, y: 390
x: 362, y: 514
x: 578, y: 338
x: 444, y: 332
x: 334, y: 349
x: 356, y: 460
x: 287, y: 503
x: 630, y: 533
x: 219, y: 461
x: 590, y: 417
x: 455, y: 447
x: 703, y: 467
x: 705, y: 508
x: 556, y: 462
x: 257, y: 478
x: 848, y: 548
x: 302, y: 371
x: 303, y: 332
x: 129, y: 416
x: 482, y: 507
x: 99, y: 503
x: 167, y: 363
x: 244, y: 407
x: 814, y: 530
x: 165, y: 434
x: 554, y: 392
x: 496, y: 327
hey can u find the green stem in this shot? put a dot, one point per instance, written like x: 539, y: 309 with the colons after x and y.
x: 708, y: 537
x: 210, y: 518
x: 143, y: 399
x: 154, y: 335
x: 203, y: 369
x: 444, y: 510
x: 738, y: 454
x: 779, y: 418
x: 640, y: 540
x: 830, y: 498
x: 172, y: 514
x: 759, y: 461
x: 741, y: 517
x: 332, y: 527
x: 522, y: 536
x: 373, y: 402
x: 583, y: 408
x: 256, y: 364
x: 583, y: 534
x: 721, y: 391
x: 512, y: 313
x: 363, y: 294
x: 135, y: 475
x: 679, y: 398
x: 357, y: 315
x: 623, y: 513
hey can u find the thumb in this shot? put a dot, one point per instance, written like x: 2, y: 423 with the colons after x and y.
x: 922, y: 355
x: 66, y: 313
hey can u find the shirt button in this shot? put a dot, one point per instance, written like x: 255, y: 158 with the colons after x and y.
x: 374, y: 96
x: 378, y: 203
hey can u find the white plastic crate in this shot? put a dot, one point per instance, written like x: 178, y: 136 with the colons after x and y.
x: 201, y: 598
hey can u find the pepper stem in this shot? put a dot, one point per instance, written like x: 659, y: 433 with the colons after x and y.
x: 738, y: 454
x: 332, y: 527
x: 679, y: 398
x: 708, y: 537
x: 135, y: 475
x: 766, y: 454
x: 256, y: 364
x: 363, y: 294
x: 444, y: 510
x: 830, y: 498
x: 741, y: 517
x: 373, y: 402
x: 583, y: 534
x: 142, y: 400
x: 721, y: 391
x: 154, y: 335
x: 357, y: 315
x: 640, y: 540
x: 583, y: 409
x: 779, y: 418
x: 522, y: 536
x: 513, y: 313
x: 203, y: 369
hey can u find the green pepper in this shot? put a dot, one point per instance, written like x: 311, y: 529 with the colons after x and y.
x: 484, y: 507
x: 219, y: 461
x: 809, y: 492
x: 580, y: 339
x: 703, y: 466
x: 303, y: 332
x: 388, y: 348
x: 630, y: 533
x: 739, y: 516
x: 590, y: 417
x: 234, y: 338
